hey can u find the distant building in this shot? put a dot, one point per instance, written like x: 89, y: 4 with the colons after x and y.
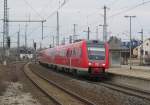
x: 26, y: 53
x: 145, y: 53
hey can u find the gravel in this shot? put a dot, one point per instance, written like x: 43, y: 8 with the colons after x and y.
x: 98, y: 94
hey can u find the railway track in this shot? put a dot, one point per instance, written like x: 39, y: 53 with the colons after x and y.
x: 58, y: 94
x: 133, y: 91
x: 130, y: 90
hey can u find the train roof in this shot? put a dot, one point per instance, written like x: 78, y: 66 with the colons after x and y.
x: 91, y: 43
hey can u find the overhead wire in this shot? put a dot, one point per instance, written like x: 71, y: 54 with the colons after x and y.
x: 140, y: 24
x: 113, y: 3
x: 129, y: 9
x: 33, y: 8
x: 55, y: 11
x: 46, y: 6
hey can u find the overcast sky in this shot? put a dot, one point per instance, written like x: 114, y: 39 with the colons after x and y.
x: 81, y: 12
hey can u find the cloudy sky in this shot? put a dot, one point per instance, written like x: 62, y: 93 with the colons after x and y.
x: 83, y: 13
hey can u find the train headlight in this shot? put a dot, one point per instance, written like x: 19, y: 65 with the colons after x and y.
x: 103, y: 64
x: 90, y: 63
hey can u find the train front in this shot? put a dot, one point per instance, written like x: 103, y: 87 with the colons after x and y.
x: 97, y: 57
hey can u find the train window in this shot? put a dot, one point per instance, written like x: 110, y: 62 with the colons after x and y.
x: 74, y: 52
x: 78, y: 52
x: 51, y: 53
x: 70, y: 53
x: 63, y: 53
x: 67, y: 54
x: 60, y: 53
x: 96, y: 53
x: 95, y: 41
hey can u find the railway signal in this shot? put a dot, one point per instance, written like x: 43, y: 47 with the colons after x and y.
x: 34, y: 45
x: 8, y: 42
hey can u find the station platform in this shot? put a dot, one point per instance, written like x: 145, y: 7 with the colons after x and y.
x: 142, y: 72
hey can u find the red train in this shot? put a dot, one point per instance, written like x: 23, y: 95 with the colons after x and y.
x: 84, y: 57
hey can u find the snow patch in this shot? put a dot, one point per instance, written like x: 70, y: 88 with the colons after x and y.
x: 15, y: 96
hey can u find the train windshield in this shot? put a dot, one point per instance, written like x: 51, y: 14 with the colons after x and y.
x: 96, y: 50
x: 96, y: 53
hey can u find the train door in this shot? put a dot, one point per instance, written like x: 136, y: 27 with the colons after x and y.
x: 69, y: 52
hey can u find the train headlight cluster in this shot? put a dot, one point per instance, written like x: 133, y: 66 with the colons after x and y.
x: 90, y: 64
x: 103, y: 64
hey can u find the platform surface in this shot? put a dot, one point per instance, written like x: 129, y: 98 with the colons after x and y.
x: 136, y: 71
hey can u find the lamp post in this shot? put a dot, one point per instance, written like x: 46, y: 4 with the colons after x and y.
x: 141, y: 48
x: 88, y: 33
x: 130, y: 17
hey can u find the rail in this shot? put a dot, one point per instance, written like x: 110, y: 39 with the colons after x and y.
x: 46, y: 86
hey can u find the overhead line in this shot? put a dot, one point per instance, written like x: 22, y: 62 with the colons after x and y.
x: 32, y: 8
x: 139, y: 22
x: 55, y: 11
x: 114, y: 2
x: 138, y: 5
x: 45, y: 6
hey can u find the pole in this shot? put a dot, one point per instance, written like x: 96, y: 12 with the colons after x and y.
x: 7, y: 36
x: 5, y: 31
x: 64, y: 40
x: 96, y: 32
x: 141, y: 49
x: 40, y: 45
x: 130, y: 17
x: 70, y: 39
x: 74, y: 32
x: 88, y: 33
x: 105, y: 25
x: 34, y: 51
x: 26, y: 26
x: 130, y: 44
x: 57, y: 42
x: 3, y: 53
x: 142, y: 37
x: 53, y: 41
x: 42, y: 29
x: 18, y: 43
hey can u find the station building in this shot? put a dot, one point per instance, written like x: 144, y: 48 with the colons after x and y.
x: 118, y: 54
